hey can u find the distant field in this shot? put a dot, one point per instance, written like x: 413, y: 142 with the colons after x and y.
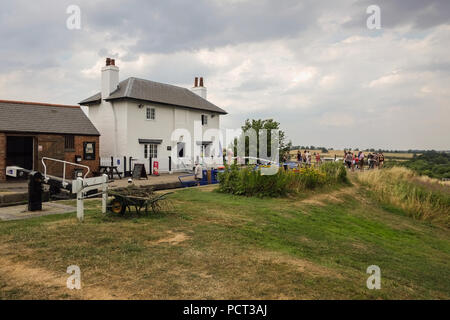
x: 432, y: 164
x: 340, y: 154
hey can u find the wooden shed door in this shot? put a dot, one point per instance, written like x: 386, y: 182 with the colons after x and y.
x: 51, y: 147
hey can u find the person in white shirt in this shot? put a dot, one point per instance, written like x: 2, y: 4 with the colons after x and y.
x: 308, y: 159
x: 361, y: 160
x: 198, y: 172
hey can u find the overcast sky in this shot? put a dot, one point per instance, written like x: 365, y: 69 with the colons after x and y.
x: 312, y: 65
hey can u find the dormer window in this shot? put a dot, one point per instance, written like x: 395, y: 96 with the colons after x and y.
x: 204, y: 120
x: 150, y: 113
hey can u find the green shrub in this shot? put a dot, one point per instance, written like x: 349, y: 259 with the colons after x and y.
x: 249, y: 182
x: 335, y: 171
x: 308, y: 178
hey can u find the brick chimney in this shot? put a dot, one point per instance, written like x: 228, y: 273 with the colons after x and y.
x: 199, y: 88
x: 110, y: 77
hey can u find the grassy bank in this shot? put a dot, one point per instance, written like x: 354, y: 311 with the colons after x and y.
x: 420, y: 197
x: 221, y: 246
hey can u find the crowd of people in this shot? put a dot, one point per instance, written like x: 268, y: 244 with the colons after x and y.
x: 306, y: 159
x: 353, y: 160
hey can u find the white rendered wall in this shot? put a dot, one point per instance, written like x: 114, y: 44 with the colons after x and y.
x: 110, y: 119
x: 109, y: 79
x: 107, y: 117
x: 168, y: 119
x: 122, y: 123
x: 201, y: 91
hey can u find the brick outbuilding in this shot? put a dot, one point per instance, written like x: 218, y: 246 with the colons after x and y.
x: 30, y: 131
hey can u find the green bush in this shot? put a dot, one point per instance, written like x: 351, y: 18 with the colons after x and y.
x: 249, y: 182
x: 433, y: 164
x: 335, y: 171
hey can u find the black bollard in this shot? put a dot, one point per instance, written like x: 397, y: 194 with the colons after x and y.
x: 130, y: 166
x: 35, y: 191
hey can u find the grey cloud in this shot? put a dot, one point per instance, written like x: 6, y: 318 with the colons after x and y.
x: 41, y: 60
x: 34, y: 34
x: 167, y: 26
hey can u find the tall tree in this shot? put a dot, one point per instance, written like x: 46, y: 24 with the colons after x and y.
x: 268, y: 124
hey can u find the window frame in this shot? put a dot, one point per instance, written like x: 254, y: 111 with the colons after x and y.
x: 153, y: 153
x: 205, y: 150
x: 181, y: 147
x: 150, y: 150
x: 204, y: 120
x: 89, y: 155
x: 152, y: 113
x: 69, y: 143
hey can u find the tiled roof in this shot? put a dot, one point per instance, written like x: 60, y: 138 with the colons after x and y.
x: 33, y: 117
x: 147, y: 90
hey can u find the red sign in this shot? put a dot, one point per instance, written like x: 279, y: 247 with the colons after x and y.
x: 156, y: 168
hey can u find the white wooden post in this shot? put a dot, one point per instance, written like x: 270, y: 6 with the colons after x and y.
x: 80, y: 203
x: 81, y: 186
x: 105, y: 193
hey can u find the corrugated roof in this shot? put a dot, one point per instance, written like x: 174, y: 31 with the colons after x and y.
x: 33, y: 117
x: 147, y: 90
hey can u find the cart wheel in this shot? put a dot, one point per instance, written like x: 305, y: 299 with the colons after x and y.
x: 117, y: 207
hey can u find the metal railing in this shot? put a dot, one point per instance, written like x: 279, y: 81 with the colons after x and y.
x: 267, y: 161
x: 64, y: 168
x: 181, y: 166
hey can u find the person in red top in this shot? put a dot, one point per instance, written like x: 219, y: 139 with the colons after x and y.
x: 317, y: 159
x: 354, y: 161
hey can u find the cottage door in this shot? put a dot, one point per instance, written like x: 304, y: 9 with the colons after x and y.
x: 150, y: 154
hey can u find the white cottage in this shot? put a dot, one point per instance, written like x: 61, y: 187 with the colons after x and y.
x: 150, y: 121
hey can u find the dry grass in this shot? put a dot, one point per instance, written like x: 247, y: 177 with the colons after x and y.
x: 43, y: 283
x: 173, y: 238
x: 422, y: 197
